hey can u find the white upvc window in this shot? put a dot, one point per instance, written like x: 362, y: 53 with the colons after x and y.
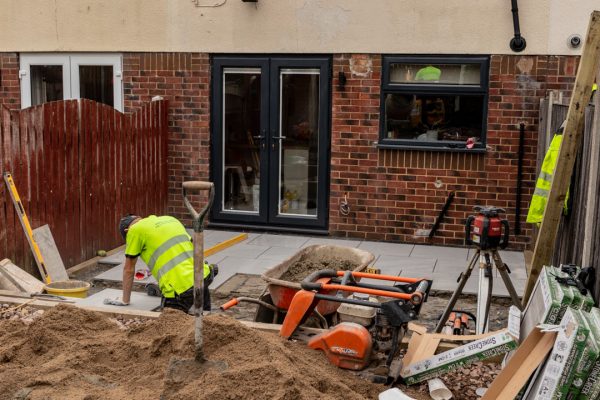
x: 50, y: 77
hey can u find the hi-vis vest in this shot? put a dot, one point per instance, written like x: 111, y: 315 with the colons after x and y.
x: 165, y: 247
x: 544, y: 181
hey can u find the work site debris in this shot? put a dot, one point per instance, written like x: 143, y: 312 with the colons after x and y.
x: 497, y: 343
x: 464, y: 382
x: 84, y: 354
x: 24, y: 314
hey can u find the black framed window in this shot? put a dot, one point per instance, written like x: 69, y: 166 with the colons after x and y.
x: 434, y: 102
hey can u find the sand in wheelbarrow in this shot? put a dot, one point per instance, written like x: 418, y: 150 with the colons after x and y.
x: 70, y: 353
x: 302, y: 268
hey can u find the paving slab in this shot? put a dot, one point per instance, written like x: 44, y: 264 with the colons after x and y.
x: 279, y: 253
x: 139, y: 301
x: 244, y: 250
x: 334, y: 242
x: 233, y: 265
x: 457, y: 253
x: 288, y: 241
x: 387, y: 249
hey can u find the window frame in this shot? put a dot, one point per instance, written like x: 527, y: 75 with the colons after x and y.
x: 70, y: 63
x: 428, y: 89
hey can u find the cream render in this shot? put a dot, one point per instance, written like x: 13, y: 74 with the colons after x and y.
x: 290, y: 26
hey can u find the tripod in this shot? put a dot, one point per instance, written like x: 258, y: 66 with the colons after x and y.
x: 488, y: 232
x: 485, y: 286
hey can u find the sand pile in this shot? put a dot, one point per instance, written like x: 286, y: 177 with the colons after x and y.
x: 302, y: 268
x: 70, y: 353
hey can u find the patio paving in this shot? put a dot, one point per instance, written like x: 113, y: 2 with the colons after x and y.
x: 262, y: 251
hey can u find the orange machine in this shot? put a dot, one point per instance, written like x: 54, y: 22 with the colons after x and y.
x: 350, y: 345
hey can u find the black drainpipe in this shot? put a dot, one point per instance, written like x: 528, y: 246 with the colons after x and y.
x: 517, y: 44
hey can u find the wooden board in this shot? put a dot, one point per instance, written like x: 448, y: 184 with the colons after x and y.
x: 572, y: 136
x: 20, y: 278
x: 54, y: 264
x: 530, y: 354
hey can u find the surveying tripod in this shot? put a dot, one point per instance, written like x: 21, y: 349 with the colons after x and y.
x: 485, y: 232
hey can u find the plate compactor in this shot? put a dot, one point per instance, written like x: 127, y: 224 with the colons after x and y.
x: 370, y: 323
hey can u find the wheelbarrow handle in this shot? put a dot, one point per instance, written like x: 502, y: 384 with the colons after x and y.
x: 198, y: 216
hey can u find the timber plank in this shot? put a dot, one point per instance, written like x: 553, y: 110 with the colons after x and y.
x: 572, y: 135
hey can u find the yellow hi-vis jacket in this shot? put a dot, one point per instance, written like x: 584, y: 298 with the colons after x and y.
x: 544, y: 181
x: 165, y: 247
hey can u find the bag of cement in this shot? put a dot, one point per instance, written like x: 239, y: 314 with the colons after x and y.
x: 589, y: 355
x: 591, y: 388
x: 570, y: 299
x: 555, y: 378
x: 545, y: 304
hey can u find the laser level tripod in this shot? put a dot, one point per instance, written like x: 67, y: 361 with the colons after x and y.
x: 488, y: 232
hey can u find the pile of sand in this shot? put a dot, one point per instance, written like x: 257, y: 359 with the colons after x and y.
x: 70, y: 353
x: 302, y: 268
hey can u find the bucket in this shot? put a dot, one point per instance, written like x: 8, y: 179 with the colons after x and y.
x: 68, y: 288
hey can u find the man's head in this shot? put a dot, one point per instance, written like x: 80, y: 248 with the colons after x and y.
x: 125, y: 223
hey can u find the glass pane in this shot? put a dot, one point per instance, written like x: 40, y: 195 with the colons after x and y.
x: 241, y: 131
x: 437, y: 74
x: 434, y: 117
x: 96, y: 83
x: 46, y: 83
x: 299, y: 150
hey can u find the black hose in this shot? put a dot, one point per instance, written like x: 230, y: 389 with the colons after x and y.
x: 520, y: 178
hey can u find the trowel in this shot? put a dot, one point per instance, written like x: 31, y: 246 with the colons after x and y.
x: 180, y: 370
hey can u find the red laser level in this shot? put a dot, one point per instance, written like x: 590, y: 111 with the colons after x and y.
x: 485, y: 230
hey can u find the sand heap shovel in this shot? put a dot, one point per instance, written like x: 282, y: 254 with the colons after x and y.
x: 180, y: 370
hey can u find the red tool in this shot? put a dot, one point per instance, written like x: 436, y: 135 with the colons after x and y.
x: 485, y: 229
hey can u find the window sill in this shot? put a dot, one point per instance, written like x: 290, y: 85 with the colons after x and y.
x: 448, y: 149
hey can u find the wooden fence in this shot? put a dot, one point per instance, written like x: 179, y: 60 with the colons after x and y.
x: 572, y: 234
x: 78, y: 166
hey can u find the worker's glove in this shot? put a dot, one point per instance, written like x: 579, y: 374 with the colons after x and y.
x: 115, y: 302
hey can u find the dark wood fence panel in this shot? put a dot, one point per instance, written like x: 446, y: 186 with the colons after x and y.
x: 79, y: 166
x: 571, y: 236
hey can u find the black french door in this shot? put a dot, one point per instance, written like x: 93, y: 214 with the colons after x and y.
x: 270, y: 141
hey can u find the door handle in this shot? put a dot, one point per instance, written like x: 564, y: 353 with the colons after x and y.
x: 279, y: 137
x: 261, y: 137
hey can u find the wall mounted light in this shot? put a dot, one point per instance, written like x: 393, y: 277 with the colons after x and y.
x: 341, y: 80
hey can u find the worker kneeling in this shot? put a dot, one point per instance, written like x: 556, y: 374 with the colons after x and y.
x: 167, y: 249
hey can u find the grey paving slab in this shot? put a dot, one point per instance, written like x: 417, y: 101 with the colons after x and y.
x: 290, y: 241
x: 444, y: 282
x: 279, y: 253
x: 114, y: 259
x: 115, y: 274
x: 387, y: 249
x: 334, y: 242
x: 139, y: 301
x: 244, y: 250
x: 393, y: 263
x: 455, y: 253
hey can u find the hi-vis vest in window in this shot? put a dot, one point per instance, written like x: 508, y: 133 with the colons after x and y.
x: 544, y: 181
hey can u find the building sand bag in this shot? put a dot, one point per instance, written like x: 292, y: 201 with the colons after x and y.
x: 71, y: 353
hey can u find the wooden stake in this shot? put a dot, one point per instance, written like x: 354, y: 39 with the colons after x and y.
x: 572, y: 135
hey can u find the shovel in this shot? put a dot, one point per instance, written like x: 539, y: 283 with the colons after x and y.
x: 180, y: 371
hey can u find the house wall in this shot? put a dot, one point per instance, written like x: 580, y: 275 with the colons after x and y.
x: 395, y: 193
x: 182, y: 79
x: 392, y: 193
x: 10, y: 92
x: 290, y: 26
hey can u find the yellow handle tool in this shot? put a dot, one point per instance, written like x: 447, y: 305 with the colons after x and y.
x: 14, y: 194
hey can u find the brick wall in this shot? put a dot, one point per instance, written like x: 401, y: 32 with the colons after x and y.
x: 10, y: 91
x: 393, y: 194
x: 183, y: 79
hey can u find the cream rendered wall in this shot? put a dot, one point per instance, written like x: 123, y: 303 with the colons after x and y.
x: 290, y: 26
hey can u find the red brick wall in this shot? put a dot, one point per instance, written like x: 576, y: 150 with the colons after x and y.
x: 183, y: 79
x: 10, y: 90
x: 395, y: 193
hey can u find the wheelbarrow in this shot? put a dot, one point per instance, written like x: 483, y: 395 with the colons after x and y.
x: 276, y: 299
